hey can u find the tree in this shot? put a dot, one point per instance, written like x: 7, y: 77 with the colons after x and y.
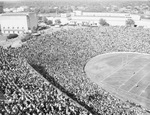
x: 130, y: 22
x: 49, y: 22
x: 149, y: 3
x: 34, y: 29
x: 103, y: 22
x: 57, y: 21
x: 44, y: 19
x: 37, y: 10
x: 42, y: 11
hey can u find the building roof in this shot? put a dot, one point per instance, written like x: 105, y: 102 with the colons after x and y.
x: 99, y: 16
x: 17, y: 14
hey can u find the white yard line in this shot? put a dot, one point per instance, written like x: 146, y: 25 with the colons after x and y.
x: 144, y: 89
x: 133, y: 75
x: 120, y: 92
x: 138, y: 82
x: 134, y: 96
x: 124, y: 95
x: 121, y: 67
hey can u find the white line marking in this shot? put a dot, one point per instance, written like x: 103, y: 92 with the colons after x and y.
x: 122, y: 67
x: 112, y: 90
x: 134, y: 75
x: 139, y: 81
x: 144, y: 89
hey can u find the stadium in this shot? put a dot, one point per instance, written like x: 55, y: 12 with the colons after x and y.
x: 83, y: 71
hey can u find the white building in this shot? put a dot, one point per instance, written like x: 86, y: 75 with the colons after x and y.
x: 77, y: 12
x: 7, y: 10
x: 114, y: 19
x: 19, y: 9
x: 18, y: 22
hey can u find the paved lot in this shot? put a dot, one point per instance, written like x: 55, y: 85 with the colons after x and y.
x: 4, y: 42
x: 17, y: 41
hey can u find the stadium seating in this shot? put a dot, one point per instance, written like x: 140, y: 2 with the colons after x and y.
x: 61, y: 85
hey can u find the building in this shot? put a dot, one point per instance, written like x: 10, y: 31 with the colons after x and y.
x: 77, y: 12
x: 18, y: 22
x: 7, y: 10
x: 92, y: 18
x: 1, y: 7
x: 19, y: 9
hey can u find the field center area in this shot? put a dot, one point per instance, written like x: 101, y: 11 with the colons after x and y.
x: 125, y: 74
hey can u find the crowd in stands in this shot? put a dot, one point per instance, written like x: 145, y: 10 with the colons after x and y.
x: 62, y: 86
x: 28, y: 93
x: 61, y: 56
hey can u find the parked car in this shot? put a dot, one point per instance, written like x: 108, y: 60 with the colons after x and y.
x: 26, y: 37
x: 42, y: 28
x: 57, y: 26
x: 11, y: 36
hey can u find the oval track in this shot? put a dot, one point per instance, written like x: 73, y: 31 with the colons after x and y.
x: 124, y: 74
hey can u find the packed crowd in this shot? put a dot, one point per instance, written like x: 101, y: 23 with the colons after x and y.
x: 28, y: 93
x: 61, y: 56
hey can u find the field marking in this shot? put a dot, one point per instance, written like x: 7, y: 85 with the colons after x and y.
x: 130, y: 61
x: 134, y: 75
x: 127, y: 93
x: 131, y: 96
x: 124, y: 94
x: 138, y: 82
x: 110, y: 90
x: 112, y: 53
x: 144, y: 89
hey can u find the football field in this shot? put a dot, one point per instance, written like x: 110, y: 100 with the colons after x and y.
x: 126, y: 75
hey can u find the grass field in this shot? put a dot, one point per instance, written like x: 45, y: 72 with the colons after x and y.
x: 126, y: 75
